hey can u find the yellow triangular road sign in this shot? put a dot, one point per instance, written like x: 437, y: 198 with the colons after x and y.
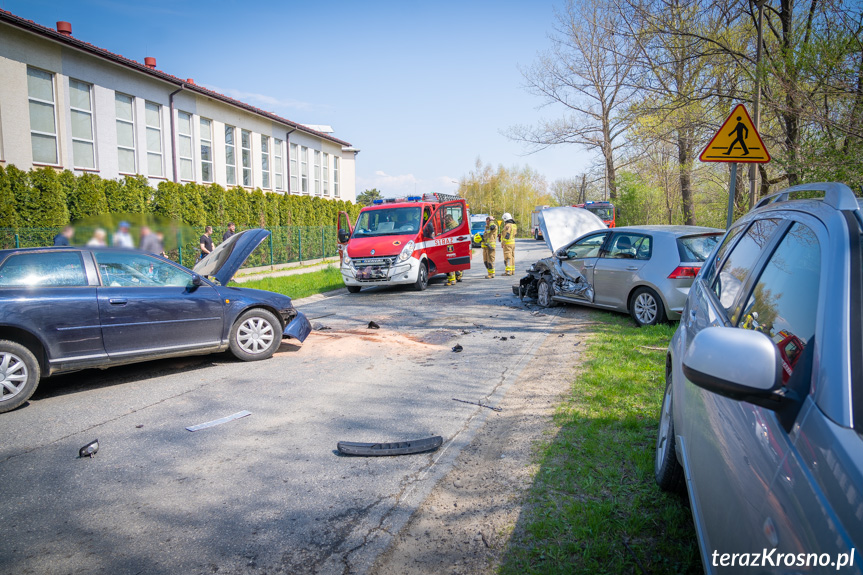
x: 736, y: 141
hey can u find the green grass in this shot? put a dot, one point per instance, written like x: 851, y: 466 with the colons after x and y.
x: 299, y: 285
x: 594, y: 507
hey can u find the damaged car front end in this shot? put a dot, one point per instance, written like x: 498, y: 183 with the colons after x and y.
x: 642, y: 270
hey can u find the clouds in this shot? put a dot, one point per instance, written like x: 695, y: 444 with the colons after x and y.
x: 264, y: 101
x: 405, y: 184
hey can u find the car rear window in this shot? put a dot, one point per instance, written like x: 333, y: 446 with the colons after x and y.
x: 43, y: 269
x: 697, y: 248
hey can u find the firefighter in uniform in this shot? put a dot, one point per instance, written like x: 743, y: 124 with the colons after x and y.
x: 449, y: 223
x: 489, y: 239
x: 510, y: 229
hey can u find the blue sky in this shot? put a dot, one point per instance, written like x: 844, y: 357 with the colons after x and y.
x: 421, y: 88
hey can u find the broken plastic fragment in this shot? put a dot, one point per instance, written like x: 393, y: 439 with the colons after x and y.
x: 457, y: 348
x: 373, y: 325
x: 216, y: 422
x: 90, y: 449
x: 383, y: 449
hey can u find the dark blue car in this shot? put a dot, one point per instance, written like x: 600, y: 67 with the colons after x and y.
x: 69, y: 308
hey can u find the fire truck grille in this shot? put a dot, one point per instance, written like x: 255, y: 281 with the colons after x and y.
x: 373, y: 269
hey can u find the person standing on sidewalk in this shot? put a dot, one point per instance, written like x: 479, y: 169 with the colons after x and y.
x: 232, y: 229
x: 489, y: 239
x: 206, y: 242
x: 510, y: 229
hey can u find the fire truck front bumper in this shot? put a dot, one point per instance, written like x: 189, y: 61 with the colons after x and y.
x: 384, y: 270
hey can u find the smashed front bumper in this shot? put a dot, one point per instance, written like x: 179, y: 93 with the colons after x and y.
x: 298, y: 328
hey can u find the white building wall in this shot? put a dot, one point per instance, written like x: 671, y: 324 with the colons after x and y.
x: 19, y: 49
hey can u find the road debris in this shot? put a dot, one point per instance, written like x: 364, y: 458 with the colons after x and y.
x: 318, y: 326
x: 89, y: 450
x: 216, y: 422
x: 652, y: 348
x: 385, y: 449
x: 479, y: 404
x: 457, y: 348
x: 373, y: 325
x: 139, y: 426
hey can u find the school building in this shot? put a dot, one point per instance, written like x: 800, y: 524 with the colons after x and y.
x: 68, y: 104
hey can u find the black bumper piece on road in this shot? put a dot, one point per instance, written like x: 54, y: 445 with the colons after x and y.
x: 381, y: 449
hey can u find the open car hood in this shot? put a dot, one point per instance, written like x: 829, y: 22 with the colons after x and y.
x: 223, y: 262
x: 562, y: 225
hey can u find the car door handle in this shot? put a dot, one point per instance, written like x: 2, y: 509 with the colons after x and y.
x: 632, y: 268
x: 588, y: 266
x: 118, y: 301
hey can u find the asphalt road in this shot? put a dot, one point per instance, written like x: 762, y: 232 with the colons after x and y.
x: 267, y: 493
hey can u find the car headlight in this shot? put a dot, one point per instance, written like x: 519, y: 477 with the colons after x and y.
x: 346, y: 259
x: 407, y: 251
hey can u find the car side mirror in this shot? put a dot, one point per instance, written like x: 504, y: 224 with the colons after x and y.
x: 754, y: 374
x: 561, y: 254
x: 344, y: 236
x: 197, y: 280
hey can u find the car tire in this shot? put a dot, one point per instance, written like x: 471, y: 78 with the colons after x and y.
x: 354, y: 289
x: 536, y: 235
x: 646, y: 307
x: 544, y: 293
x: 256, y: 335
x: 19, y: 369
x: 422, y: 278
x: 666, y: 469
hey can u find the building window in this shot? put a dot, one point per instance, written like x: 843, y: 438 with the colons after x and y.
x: 184, y: 129
x: 317, y: 172
x: 230, y: 157
x: 294, y: 170
x: 246, y: 145
x: 43, y: 126
x: 277, y: 158
x: 325, y: 170
x: 265, y: 161
x: 336, y: 176
x: 206, y: 150
x: 153, y: 119
x: 304, y: 170
x: 81, y: 110
x: 125, y: 133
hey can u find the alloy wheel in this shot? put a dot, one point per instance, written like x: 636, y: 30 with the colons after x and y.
x: 645, y: 308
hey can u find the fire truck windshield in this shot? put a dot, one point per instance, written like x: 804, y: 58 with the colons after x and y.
x: 388, y: 222
x: 604, y: 214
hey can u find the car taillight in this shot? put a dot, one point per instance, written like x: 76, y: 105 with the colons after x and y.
x: 684, y: 272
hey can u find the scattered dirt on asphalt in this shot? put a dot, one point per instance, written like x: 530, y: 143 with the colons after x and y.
x: 465, y: 524
x: 352, y: 342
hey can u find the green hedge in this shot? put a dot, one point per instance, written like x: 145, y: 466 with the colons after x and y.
x: 46, y: 198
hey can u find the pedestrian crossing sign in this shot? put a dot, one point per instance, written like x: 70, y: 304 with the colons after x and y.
x: 737, y: 140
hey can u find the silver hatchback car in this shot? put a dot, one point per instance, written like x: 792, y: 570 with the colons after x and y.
x: 762, y: 418
x: 643, y: 270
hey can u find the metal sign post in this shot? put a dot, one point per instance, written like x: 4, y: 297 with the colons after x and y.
x: 737, y: 140
x: 731, y: 189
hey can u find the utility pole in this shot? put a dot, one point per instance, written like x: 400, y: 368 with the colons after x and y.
x: 753, y: 176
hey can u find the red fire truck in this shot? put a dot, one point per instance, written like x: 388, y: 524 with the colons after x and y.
x: 604, y: 210
x: 404, y: 241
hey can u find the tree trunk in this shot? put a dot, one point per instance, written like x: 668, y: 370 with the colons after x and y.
x: 684, y: 159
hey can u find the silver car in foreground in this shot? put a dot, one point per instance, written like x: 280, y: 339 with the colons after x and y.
x: 762, y: 418
x: 645, y: 271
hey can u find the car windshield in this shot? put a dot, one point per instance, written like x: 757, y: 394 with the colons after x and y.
x: 477, y: 226
x: 605, y: 214
x: 697, y: 248
x: 388, y: 222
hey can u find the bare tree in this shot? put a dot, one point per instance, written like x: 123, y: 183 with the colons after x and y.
x: 587, y: 74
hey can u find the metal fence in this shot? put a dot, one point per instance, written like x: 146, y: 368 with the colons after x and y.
x: 285, y: 244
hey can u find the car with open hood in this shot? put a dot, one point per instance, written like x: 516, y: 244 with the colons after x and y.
x: 645, y: 271
x: 64, y: 309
